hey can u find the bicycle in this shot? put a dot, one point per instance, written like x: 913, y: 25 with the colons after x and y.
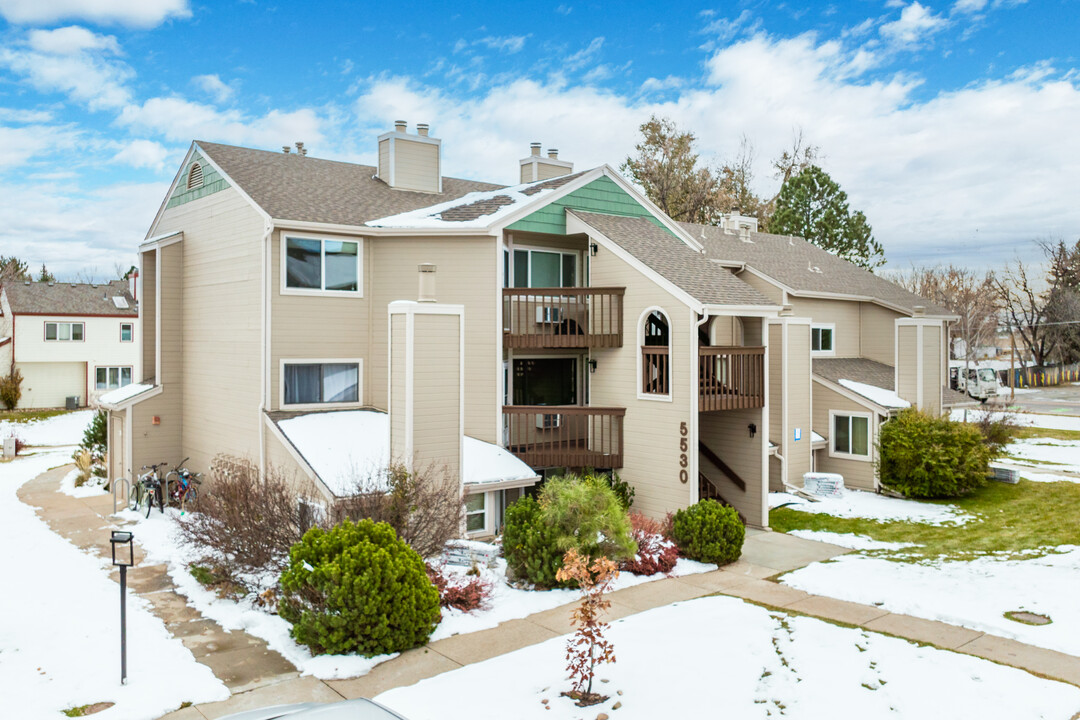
x: 146, y: 489
x: 182, y: 485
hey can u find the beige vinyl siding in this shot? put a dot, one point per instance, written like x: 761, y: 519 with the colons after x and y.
x: 857, y: 473
x: 416, y: 165
x: 397, y: 388
x: 931, y: 369
x: 319, y: 326
x: 213, y: 325
x: 437, y: 394
x: 776, y: 382
x: 651, y: 431
x: 798, y: 397
x: 148, y: 315
x: 842, y: 313
x: 151, y: 443
x: 763, y: 286
x: 878, y: 332
x: 466, y: 275
x: 726, y: 330
x: 49, y: 384
x: 726, y: 434
x: 907, y: 363
x: 117, y: 443
x: 384, y: 160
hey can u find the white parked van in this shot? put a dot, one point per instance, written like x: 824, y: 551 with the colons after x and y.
x: 980, y: 382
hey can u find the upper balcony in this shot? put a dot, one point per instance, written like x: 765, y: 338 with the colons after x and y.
x: 567, y: 317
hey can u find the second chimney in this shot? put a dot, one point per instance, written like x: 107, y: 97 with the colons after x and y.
x: 410, y: 162
x: 535, y: 167
x: 427, y: 282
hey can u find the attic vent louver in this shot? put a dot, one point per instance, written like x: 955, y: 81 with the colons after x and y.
x: 194, y: 178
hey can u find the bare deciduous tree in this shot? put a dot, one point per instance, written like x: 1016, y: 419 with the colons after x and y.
x: 1025, y: 308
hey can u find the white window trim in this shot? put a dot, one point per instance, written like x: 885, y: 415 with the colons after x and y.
x: 130, y: 325
x: 487, y: 529
x: 869, y: 457
x: 321, y: 361
x: 641, y: 343
x: 823, y: 326
x: 558, y: 251
x: 58, y: 323
x: 283, y: 271
x: 106, y: 368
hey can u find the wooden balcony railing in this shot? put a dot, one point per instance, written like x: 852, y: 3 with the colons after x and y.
x: 587, y: 317
x: 570, y: 436
x: 730, y: 378
x: 655, y: 370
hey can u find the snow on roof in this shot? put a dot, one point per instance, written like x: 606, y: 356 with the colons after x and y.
x: 880, y: 396
x: 127, y: 392
x: 344, y: 446
x: 815, y: 438
x: 474, y: 210
x: 120, y: 302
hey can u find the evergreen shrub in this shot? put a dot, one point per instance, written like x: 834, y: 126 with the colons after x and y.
x: 709, y: 532
x: 529, y: 544
x: 925, y: 456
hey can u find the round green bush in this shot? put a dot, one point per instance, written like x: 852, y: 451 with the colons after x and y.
x: 925, y: 456
x: 587, y: 516
x: 709, y: 532
x: 357, y: 588
x: 529, y: 544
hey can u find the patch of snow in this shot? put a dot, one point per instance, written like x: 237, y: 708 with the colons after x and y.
x: 485, y: 462
x: 776, y: 665
x: 1064, y: 454
x: 871, y: 506
x: 881, y: 396
x: 59, y: 646
x: 1038, y: 420
x: 1019, y: 391
x: 65, y: 429
x: 125, y: 393
x: 431, y: 217
x: 1047, y: 477
x: 974, y: 594
x: 90, y: 489
x: 849, y: 540
x: 814, y: 437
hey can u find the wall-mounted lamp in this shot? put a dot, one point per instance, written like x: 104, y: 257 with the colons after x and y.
x: 753, y: 429
x: 593, y: 249
x: 592, y: 366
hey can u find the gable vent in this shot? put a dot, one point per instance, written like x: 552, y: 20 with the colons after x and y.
x: 194, y: 178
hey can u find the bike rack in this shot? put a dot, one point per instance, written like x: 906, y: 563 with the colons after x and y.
x: 116, y: 483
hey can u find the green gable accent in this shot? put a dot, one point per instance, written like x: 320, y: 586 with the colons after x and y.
x: 212, y: 182
x: 602, y: 195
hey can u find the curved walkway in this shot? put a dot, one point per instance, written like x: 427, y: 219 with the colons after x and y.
x: 258, y: 676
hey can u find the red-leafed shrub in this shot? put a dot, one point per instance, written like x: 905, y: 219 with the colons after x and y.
x: 656, y: 553
x: 466, y: 594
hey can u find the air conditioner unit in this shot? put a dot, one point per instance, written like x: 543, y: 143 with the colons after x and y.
x: 548, y: 421
x: 548, y: 314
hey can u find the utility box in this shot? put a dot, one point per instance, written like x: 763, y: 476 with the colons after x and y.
x: 10, y: 447
x: 72, y: 402
x: 823, y: 484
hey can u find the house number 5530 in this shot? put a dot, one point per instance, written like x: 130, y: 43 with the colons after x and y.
x: 684, y: 446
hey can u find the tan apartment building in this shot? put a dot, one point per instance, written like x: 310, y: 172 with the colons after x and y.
x: 326, y: 317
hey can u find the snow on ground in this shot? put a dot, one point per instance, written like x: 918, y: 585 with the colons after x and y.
x: 719, y: 656
x: 849, y: 540
x: 59, y: 642
x: 857, y: 504
x: 1047, y: 477
x: 68, y: 486
x: 975, y: 594
x: 66, y: 429
x: 1064, y: 454
x: 157, y: 536
x: 1006, y: 390
x: 1038, y: 420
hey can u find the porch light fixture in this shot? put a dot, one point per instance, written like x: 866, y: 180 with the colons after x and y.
x: 593, y: 249
x: 123, y: 557
x: 592, y: 366
x: 753, y: 429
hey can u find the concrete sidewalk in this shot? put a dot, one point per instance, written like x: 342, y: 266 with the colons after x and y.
x: 258, y: 676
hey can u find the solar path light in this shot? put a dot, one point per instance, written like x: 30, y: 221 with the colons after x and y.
x: 123, y: 557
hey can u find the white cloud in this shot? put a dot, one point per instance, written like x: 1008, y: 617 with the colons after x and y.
x: 70, y: 40
x: 564, y: 9
x: 213, y: 86
x: 132, y: 13
x: 726, y: 28
x: 671, y: 82
x: 968, y: 6
x: 915, y: 24
x: 583, y: 57
x: 19, y: 145
x: 508, y: 44
x: 23, y: 115
x: 143, y: 154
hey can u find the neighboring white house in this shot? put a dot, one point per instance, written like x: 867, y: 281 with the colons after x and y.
x: 69, y: 340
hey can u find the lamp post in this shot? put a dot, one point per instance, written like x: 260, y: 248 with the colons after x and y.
x: 123, y: 558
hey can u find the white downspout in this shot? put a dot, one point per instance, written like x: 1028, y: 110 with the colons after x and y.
x: 695, y: 391
x: 264, y: 322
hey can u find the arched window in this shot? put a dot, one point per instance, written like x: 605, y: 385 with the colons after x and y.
x: 655, y: 338
x: 194, y: 178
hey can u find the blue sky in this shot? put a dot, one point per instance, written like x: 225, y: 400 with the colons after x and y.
x: 951, y: 124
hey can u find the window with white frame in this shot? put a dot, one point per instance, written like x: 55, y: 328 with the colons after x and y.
x: 322, y: 265
x: 851, y: 435
x: 476, y: 512
x: 320, y: 383
x: 127, y: 332
x: 64, y: 331
x: 821, y: 339
x: 655, y: 335
x: 111, y: 378
x: 544, y: 268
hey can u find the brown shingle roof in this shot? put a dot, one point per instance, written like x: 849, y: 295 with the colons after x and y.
x: 706, y: 281
x: 480, y: 208
x: 791, y: 261
x: 308, y: 189
x: 860, y: 370
x: 69, y: 299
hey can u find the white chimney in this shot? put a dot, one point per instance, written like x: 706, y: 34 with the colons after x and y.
x: 133, y: 285
x: 427, y: 282
x: 410, y: 162
x: 535, y: 167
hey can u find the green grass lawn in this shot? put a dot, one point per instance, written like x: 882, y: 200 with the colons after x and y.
x: 1030, y: 433
x: 1027, y: 518
x: 21, y: 416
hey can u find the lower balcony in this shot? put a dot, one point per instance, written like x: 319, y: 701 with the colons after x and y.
x: 572, y: 436
x: 730, y: 378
